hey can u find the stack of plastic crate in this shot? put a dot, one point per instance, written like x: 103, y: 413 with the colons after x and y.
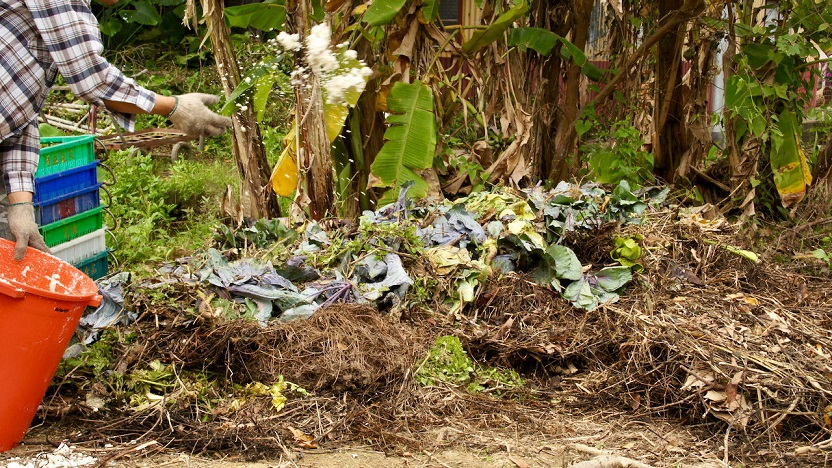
x: 68, y: 203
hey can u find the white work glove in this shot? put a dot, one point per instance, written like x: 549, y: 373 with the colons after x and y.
x: 25, y: 231
x: 192, y: 115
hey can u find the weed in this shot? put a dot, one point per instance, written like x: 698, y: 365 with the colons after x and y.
x: 447, y: 362
x: 157, y: 217
x: 621, y: 157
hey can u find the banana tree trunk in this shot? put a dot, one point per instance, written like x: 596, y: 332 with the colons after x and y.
x: 317, y: 185
x: 250, y: 155
x: 670, y: 140
x: 565, y: 158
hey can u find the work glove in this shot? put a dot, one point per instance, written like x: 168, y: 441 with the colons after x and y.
x: 192, y: 116
x: 24, y: 230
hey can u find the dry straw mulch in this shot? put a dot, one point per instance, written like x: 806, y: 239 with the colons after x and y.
x: 702, y: 335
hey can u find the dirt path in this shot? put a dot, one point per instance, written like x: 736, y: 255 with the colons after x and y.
x: 657, y: 443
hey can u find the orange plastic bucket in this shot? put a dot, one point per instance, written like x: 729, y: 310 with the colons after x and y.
x: 41, y: 301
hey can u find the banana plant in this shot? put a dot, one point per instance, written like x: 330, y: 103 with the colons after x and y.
x: 410, y: 140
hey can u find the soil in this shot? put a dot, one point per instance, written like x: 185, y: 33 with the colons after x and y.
x: 654, y: 442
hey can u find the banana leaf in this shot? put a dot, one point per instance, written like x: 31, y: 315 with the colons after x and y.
x: 792, y: 175
x: 269, y: 15
x: 496, y: 30
x: 382, y: 12
x: 411, y: 139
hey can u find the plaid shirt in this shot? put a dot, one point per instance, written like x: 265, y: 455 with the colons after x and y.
x: 38, y: 39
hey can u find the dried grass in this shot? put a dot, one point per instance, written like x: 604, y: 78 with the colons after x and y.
x: 756, y: 334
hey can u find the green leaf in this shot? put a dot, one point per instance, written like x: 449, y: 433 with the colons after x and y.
x: 266, y: 16
x: 746, y: 254
x: 571, y: 51
x: 792, y: 175
x: 567, y: 265
x: 540, y: 40
x: 411, y: 138
x: 583, y: 126
x: 382, y: 12
x: 429, y: 11
x: 580, y: 295
x: 612, y: 278
x: 144, y: 13
x: 495, y: 31
x: 263, y: 90
x: 592, y: 72
x: 110, y: 27
x: 627, y: 252
x: 758, y: 54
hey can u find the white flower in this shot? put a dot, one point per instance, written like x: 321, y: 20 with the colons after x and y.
x: 318, y: 51
x: 289, y: 41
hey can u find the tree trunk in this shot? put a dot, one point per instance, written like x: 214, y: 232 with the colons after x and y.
x: 250, y: 155
x: 670, y: 140
x: 565, y: 159
x: 316, y: 187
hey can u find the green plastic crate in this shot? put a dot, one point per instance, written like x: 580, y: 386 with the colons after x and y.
x: 61, y: 153
x: 73, y: 227
x: 96, y: 266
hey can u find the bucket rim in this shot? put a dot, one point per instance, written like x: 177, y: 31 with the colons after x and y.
x: 16, y: 289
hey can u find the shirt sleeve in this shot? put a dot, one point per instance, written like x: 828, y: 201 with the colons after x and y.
x: 71, y: 34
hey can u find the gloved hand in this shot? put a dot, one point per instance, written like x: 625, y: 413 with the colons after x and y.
x: 25, y: 231
x: 192, y: 116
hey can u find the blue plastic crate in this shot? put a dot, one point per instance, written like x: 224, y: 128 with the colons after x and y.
x: 96, y: 266
x: 64, y: 182
x: 67, y: 205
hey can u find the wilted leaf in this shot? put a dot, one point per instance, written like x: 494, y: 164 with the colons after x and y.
x: 566, y: 263
x: 612, y: 278
x: 302, y: 439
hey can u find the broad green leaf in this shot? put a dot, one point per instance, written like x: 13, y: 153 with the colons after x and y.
x: 110, y: 27
x: 758, y: 54
x: 495, y: 31
x: 410, y: 138
x: 144, y: 13
x: 571, y: 51
x: 627, y: 252
x: 567, y: 265
x: 382, y: 12
x: 580, y: 295
x: 266, y: 16
x: 429, y: 11
x: 613, y: 278
x: 540, y: 40
x: 592, y: 72
x: 792, y: 175
x: 263, y: 90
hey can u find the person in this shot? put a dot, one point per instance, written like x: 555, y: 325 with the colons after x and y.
x: 38, y: 40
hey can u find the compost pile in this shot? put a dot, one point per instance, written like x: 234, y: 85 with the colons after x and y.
x: 464, y: 315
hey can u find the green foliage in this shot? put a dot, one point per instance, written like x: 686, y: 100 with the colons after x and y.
x: 131, y: 20
x: 620, y: 156
x: 382, y: 12
x: 627, y: 252
x: 263, y: 233
x: 96, y: 358
x: 447, y: 362
x: 768, y: 93
x: 496, y: 30
x: 157, y: 216
x: 410, y: 140
x: 267, y: 15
